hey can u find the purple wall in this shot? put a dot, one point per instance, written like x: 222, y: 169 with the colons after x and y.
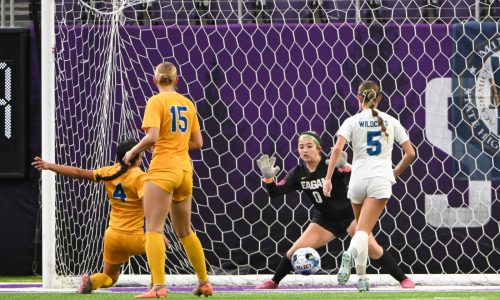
x: 256, y: 87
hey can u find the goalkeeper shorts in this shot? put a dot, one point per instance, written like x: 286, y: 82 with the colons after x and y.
x: 337, y: 227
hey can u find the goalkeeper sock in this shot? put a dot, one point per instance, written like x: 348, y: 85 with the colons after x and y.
x: 194, y: 251
x: 284, y: 268
x: 100, y: 280
x: 155, y: 251
x: 389, y: 266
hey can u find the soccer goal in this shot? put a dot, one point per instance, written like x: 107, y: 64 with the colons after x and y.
x: 260, y: 72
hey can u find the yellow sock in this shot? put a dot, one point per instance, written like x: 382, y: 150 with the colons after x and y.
x: 100, y: 280
x: 155, y: 251
x: 195, y: 254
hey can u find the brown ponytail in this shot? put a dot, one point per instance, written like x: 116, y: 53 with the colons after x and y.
x: 369, y: 91
x: 123, y: 169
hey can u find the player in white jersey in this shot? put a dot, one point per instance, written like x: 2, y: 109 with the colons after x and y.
x: 372, y: 135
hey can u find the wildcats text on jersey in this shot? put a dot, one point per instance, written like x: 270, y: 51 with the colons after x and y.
x: 371, y: 123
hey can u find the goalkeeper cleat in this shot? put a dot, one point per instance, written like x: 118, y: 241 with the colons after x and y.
x: 85, y: 285
x: 363, y: 285
x: 345, y: 268
x: 267, y: 285
x: 407, y: 283
x: 154, y: 293
x: 204, y: 288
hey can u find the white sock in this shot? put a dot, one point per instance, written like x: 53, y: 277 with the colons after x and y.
x: 359, y: 250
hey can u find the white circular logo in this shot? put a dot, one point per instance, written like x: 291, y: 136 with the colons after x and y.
x: 488, y: 93
x: 481, y: 101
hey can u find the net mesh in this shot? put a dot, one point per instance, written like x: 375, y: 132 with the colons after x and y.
x: 262, y: 71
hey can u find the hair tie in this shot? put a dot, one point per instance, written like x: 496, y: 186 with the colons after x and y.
x: 315, y: 139
x: 367, y: 93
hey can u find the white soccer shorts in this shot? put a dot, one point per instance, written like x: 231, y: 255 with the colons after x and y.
x: 375, y: 187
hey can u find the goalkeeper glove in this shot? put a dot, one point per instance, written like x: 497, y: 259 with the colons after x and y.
x: 341, y: 161
x: 266, y: 166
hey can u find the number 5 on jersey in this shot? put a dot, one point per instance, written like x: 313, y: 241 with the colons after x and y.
x: 179, y: 120
x: 374, y: 147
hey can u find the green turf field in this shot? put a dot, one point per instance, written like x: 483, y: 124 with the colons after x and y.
x: 20, y: 279
x: 469, y: 295
x: 273, y: 295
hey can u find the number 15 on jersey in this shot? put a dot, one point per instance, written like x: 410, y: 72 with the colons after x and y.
x: 179, y: 120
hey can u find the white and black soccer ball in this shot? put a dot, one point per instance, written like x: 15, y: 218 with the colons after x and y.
x: 306, y: 261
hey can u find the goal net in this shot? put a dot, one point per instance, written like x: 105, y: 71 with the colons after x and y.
x: 260, y: 72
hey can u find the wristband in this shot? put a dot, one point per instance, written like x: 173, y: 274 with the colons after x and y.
x: 268, y: 180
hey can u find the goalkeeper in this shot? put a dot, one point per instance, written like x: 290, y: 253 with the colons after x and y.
x: 333, y: 217
x: 124, y: 236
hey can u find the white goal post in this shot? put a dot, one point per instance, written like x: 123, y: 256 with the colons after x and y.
x: 48, y: 145
x: 260, y: 72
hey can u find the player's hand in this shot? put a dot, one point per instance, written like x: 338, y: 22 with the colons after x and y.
x: 327, y: 188
x: 40, y: 164
x: 167, y: 242
x: 266, y: 166
x: 128, y: 157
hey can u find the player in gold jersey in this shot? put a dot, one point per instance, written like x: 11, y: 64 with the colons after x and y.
x: 172, y: 127
x: 125, y: 234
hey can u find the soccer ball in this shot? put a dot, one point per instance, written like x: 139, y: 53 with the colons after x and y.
x: 306, y: 261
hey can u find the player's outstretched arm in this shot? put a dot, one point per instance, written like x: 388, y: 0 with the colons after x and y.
x: 408, y: 157
x: 68, y: 171
x: 269, y: 172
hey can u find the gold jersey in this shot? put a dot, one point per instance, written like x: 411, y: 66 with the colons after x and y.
x: 125, y: 195
x: 175, y: 116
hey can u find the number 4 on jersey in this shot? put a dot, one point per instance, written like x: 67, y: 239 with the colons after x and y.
x: 119, y: 192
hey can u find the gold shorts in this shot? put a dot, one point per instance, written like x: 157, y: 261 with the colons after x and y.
x: 119, y: 246
x: 179, y: 182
